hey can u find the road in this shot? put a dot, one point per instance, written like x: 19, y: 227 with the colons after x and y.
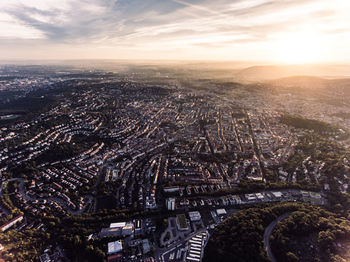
x: 268, y: 232
x: 3, y: 209
x: 55, y: 199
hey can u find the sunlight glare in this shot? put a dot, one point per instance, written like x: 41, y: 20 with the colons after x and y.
x: 299, y: 48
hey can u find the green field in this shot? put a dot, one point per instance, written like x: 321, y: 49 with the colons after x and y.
x: 181, y: 220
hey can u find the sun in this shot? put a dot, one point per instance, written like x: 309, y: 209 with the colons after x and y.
x: 298, y: 48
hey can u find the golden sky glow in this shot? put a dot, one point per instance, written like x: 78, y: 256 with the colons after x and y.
x: 300, y: 47
x: 281, y: 31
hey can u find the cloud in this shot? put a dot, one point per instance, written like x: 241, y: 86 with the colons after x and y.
x: 168, y: 24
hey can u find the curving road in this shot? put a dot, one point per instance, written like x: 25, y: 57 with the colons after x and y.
x: 55, y: 199
x: 268, y: 232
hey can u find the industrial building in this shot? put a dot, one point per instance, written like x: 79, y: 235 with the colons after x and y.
x: 117, y: 230
x: 115, y: 247
x: 194, y: 216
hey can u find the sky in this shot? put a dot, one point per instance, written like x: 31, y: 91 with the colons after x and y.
x: 279, y: 31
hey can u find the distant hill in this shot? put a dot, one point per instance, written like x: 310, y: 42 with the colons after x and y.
x: 301, y: 81
x: 310, y: 82
x: 263, y: 73
x: 305, y: 73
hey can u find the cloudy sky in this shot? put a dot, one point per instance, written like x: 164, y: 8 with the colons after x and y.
x: 286, y: 31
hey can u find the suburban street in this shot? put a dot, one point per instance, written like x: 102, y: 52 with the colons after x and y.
x: 55, y: 199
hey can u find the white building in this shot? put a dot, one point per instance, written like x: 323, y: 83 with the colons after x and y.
x: 221, y: 212
x: 170, y: 203
x: 115, y: 247
x: 194, y: 216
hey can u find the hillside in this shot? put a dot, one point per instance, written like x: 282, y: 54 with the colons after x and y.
x: 304, y: 73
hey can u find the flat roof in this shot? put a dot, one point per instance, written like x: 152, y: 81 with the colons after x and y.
x: 259, y: 195
x: 195, y: 241
x: 118, y: 224
x: 193, y: 258
x: 277, y: 194
x: 115, y: 247
x: 198, y: 242
x: 221, y: 211
x: 197, y: 237
x: 194, y: 255
x: 110, y: 229
x: 315, y: 195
